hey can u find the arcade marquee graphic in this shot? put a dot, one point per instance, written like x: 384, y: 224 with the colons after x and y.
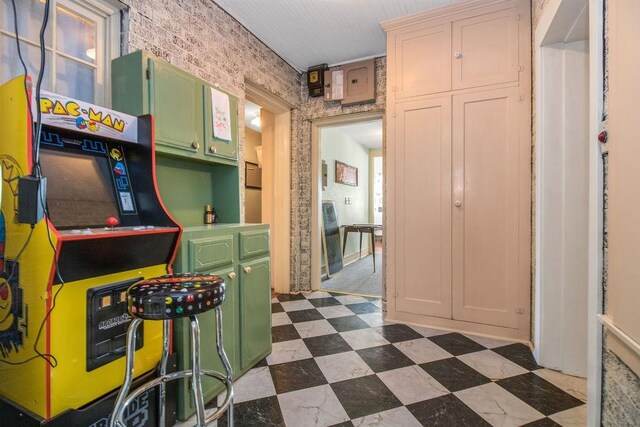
x: 63, y: 112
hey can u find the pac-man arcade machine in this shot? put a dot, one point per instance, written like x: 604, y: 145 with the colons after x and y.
x: 63, y: 314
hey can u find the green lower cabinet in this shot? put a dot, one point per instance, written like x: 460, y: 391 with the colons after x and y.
x: 240, y: 255
x: 255, y: 308
x: 209, y: 354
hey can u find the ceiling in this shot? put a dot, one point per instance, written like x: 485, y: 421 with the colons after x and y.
x: 250, y: 112
x: 367, y: 134
x: 311, y: 32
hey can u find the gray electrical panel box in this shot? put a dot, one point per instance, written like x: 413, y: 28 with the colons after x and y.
x: 359, y: 82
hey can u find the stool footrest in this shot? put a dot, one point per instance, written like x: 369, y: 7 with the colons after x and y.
x: 178, y: 375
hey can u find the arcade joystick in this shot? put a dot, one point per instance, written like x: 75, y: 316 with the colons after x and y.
x: 112, y: 222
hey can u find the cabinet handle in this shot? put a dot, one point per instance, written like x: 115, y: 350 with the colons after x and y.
x: 232, y: 275
x: 195, y: 144
x: 458, y: 203
x: 247, y: 270
x: 458, y: 55
x: 212, y: 148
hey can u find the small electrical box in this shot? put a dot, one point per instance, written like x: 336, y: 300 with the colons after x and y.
x: 33, y: 196
x: 315, y: 80
x: 333, y: 85
x: 324, y: 175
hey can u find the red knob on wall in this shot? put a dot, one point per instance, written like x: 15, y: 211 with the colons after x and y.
x: 603, y: 136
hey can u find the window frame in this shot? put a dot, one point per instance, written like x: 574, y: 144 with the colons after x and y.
x: 106, y: 15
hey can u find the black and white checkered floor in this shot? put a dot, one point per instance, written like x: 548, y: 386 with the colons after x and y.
x: 336, y: 362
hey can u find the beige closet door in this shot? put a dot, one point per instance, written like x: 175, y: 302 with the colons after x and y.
x: 491, y: 170
x: 422, y: 61
x: 423, y: 207
x: 623, y: 288
x: 485, y: 49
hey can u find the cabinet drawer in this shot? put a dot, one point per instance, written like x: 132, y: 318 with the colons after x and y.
x: 209, y: 253
x: 254, y: 243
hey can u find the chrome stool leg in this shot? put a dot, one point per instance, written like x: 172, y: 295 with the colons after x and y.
x: 225, y: 362
x: 163, y: 371
x: 128, y: 374
x: 196, y: 380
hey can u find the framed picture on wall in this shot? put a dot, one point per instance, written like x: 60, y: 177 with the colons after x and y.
x: 252, y: 175
x: 346, y: 174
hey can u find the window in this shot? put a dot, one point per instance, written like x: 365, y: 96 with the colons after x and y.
x: 81, y: 39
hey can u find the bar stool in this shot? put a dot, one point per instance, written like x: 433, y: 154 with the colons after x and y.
x: 171, y: 297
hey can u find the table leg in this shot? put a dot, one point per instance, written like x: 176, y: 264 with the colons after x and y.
x: 373, y: 248
x: 360, y: 252
x: 344, y: 244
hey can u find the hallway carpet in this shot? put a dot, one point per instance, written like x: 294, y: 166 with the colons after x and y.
x: 358, y: 277
x: 336, y: 363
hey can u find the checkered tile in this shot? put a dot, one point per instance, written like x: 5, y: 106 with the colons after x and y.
x: 336, y: 362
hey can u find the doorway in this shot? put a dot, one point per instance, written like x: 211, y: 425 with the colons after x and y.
x: 563, y: 188
x: 270, y: 201
x: 349, y: 177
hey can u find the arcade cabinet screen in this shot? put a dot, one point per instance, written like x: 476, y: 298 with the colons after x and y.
x: 79, y: 189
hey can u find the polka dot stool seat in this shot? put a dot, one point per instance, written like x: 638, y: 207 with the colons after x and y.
x: 171, y: 297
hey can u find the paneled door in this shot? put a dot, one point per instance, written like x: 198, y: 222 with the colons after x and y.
x: 423, y: 207
x: 176, y: 103
x: 491, y: 193
x: 485, y: 49
x: 422, y: 61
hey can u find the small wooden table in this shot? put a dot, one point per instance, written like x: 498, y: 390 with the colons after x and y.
x: 362, y: 228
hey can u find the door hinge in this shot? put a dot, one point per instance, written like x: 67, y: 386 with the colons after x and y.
x: 148, y: 73
x: 519, y: 311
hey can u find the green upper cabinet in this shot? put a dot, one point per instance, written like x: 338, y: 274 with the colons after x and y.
x: 180, y: 103
x: 175, y: 101
x: 214, y: 146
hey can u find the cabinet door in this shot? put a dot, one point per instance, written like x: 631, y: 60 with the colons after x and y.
x: 176, y: 103
x: 423, y: 207
x: 255, y: 311
x: 485, y: 49
x: 491, y: 220
x: 423, y: 61
x: 209, y: 355
x: 214, y: 146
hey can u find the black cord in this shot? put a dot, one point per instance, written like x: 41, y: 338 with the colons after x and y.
x: 36, y: 152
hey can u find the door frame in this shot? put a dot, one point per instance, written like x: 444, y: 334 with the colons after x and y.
x: 556, y: 9
x: 316, y: 187
x: 280, y: 192
x: 561, y: 220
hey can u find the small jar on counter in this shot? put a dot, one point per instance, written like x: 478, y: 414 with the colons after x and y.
x: 208, y: 214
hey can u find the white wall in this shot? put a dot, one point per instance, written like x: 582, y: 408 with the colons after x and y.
x: 336, y: 145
